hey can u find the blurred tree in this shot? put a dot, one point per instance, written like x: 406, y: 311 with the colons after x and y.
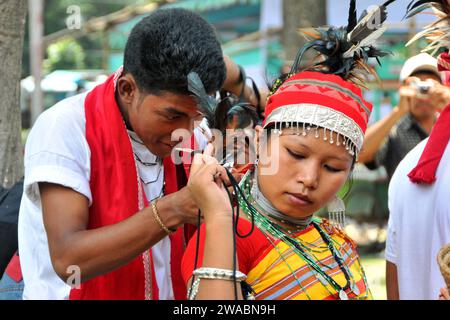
x: 65, y: 54
x: 55, y: 16
x: 299, y: 14
x: 12, y: 24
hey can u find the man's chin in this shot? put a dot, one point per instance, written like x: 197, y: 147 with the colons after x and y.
x: 160, y: 150
x: 165, y: 150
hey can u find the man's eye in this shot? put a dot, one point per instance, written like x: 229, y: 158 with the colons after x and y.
x: 171, y: 118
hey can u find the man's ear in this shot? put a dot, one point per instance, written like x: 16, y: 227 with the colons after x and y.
x: 127, y: 88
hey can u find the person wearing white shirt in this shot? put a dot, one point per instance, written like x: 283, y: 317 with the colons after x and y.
x: 151, y: 99
x: 418, y: 227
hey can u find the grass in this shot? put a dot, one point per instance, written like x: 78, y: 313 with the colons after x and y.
x: 374, y: 266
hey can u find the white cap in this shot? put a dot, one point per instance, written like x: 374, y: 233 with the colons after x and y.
x: 421, y: 62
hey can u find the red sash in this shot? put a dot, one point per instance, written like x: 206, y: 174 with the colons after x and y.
x: 114, y: 187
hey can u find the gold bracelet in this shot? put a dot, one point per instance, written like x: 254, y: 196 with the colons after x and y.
x: 158, y: 219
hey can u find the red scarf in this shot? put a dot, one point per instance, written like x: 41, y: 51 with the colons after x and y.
x: 444, y: 61
x: 425, y: 171
x: 114, y: 187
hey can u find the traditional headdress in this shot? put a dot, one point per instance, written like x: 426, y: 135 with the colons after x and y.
x: 439, y: 35
x: 328, y: 95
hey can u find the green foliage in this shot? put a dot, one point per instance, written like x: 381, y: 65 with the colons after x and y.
x: 87, y: 51
x: 65, y: 54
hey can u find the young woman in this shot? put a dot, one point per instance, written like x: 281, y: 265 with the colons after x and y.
x: 276, y: 248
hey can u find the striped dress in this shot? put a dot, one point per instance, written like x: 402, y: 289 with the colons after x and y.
x: 275, y: 272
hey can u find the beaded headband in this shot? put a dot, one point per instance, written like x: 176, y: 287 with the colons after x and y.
x: 328, y: 95
x: 312, y: 100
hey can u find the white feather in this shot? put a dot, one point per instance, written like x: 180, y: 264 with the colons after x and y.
x: 365, y: 42
x: 370, y: 16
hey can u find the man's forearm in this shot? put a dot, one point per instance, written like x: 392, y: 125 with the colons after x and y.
x: 391, y: 281
x: 99, y: 251
x: 236, y: 85
x: 376, y: 134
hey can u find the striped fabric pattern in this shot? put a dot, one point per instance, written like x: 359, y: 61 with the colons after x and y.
x: 272, y: 278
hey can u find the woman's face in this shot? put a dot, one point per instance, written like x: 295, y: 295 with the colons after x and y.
x: 310, y: 173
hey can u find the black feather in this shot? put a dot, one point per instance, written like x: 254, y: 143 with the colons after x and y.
x: 354, y: 40
x: 363, y: 30
x: 436, y: 33
x: 417, y: 6
x: 417, y: 9
x: 416, y: 3
x: 296, y: 65
x: 206, y: 103
x: 352, y: 16
x: 387, y: 3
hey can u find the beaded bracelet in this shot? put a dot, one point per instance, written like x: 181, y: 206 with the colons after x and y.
x: 158, y: 219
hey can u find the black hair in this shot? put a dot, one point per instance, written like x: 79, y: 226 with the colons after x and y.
x: 164, y: 47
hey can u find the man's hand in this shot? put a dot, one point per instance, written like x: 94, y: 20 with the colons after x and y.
x: 181, y: 208
x: 444, y: 294
x: 408, y: 95
x: 439, y: 96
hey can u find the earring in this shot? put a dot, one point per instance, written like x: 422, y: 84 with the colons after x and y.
x: 336, y: 212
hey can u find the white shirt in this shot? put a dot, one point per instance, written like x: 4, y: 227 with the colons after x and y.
x: 57, y: 152
x: 419, y: 226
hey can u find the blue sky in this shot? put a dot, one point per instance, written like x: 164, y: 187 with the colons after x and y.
x: 337, y: 12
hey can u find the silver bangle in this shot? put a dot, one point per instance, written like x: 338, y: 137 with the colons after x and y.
x: 193, y: 290
x: 219, y: 274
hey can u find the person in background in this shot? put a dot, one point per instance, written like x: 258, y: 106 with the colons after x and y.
x: 104, y: 209
x: 421, y: 94
x: 419, y: 193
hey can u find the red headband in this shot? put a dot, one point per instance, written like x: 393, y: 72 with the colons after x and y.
x: 321, y: 100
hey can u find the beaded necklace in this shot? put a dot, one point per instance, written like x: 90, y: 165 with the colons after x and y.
x: 268, y: 227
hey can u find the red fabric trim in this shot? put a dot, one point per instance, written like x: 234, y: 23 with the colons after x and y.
x: 175, y: 179
x: 115, y: 198
x: 13, y: 269
x: 425, y: 171
x: 178, y: 246
x: 300, y: 93
x: 444, y: 62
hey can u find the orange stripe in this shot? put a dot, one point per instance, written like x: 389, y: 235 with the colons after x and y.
x: 301, y: 271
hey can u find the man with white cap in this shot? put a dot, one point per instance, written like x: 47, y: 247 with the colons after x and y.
x: 421, y: 95
x: 419, y: 192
